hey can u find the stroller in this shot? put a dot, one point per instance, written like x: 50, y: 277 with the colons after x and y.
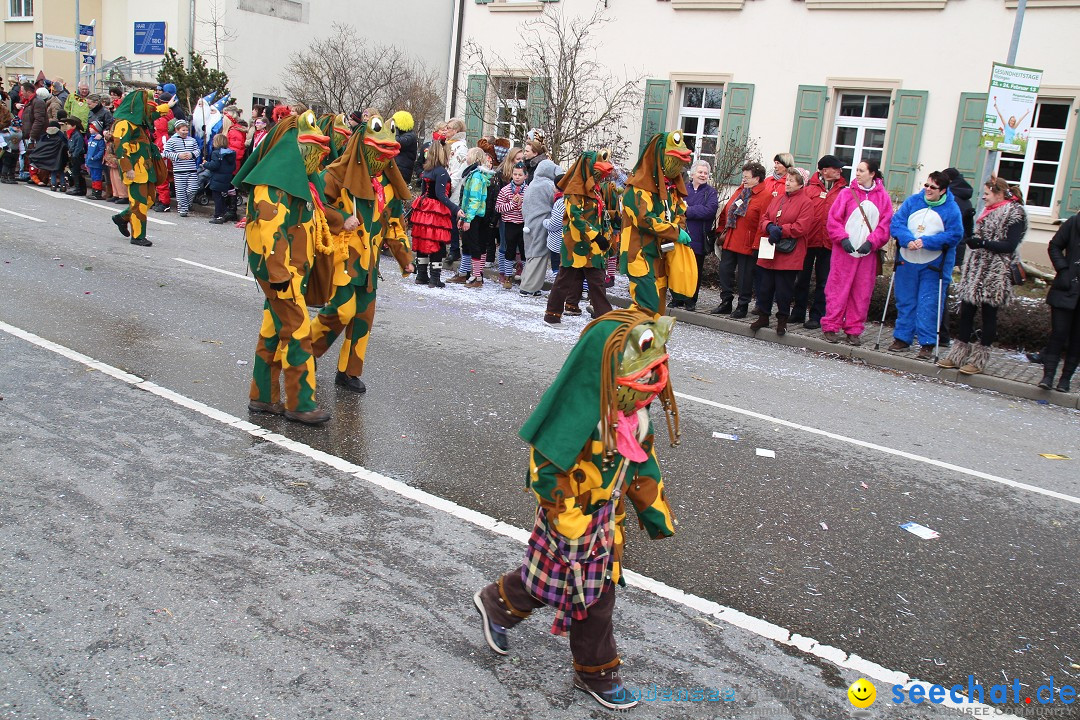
x: 202, y: 189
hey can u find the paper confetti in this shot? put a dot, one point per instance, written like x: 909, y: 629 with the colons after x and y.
x: 920, y: 530
x: 762, y: 452
x: 725, y: 436
x: 1053, y: 456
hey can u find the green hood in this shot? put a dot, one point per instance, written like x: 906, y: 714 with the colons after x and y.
x: 277, y: 162
x: 135, y: 108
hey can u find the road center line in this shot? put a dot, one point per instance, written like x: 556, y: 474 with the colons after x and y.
x: 28, y: 217
x: 214, y: 269
x: 757, y: 626
x: 58, y: 196
x: 884, y: 449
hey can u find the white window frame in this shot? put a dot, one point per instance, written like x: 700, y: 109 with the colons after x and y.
x: 515, y: 106
x: 861, y: 124
x: 1036, y: 134
x: 701, y: 114
x: 21, y: 9
x: 267, y: 101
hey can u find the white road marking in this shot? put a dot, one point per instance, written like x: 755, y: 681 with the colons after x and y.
x: 882, y: 448
x: 217, y: 270
x: 757, y: 626
x: 28, y: 217
x: 62, y: 196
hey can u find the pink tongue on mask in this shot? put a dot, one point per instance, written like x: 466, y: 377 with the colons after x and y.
x: 626, y: 441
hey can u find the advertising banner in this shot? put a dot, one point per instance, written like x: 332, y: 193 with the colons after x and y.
x: 1010, y: 105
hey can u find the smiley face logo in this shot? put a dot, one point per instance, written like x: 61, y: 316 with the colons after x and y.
x: 862, y: 693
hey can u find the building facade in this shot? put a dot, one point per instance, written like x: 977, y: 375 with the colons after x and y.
x: 901, y: 81
x: 255, y: 38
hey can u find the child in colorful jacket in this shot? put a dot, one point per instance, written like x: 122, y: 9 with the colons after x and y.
x: 473, y: 223
x: 95, y: 160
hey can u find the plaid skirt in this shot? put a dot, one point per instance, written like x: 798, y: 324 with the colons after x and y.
x: 570, y: 575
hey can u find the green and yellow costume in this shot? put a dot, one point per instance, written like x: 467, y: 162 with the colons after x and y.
x: 586, y: 235
x: 592, y: 443
x: 140, y: 161
x: 285, y: 220
x: 363, y: 183
x: 654, y: 213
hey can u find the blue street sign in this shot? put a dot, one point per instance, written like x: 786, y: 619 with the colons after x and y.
x: 89, y: 60
x: 87, y: 30
x: 84, y: 46
x: 150, y: 38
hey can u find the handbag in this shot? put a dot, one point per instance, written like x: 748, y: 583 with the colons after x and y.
x: 1017, y: 273
x: 786, y: 245
x: 571, y: 574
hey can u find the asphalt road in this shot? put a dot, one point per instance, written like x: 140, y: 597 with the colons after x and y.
x: 809, y: 540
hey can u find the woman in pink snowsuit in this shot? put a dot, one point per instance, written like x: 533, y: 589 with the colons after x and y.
x: 858, y: 226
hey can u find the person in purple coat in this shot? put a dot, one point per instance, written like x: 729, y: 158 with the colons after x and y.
x: 702, y: 202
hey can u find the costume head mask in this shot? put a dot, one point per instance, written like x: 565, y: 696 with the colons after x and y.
x: 676, y: 155
x: 643, y: 368
x: 314, y: 146
x: 379, y: 145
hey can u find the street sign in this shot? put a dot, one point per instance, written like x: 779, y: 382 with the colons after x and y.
x: 84, y: 46
x: 87, y: 30
x: 150, y: 38
x: 89, y: 60
x: 55, y: 42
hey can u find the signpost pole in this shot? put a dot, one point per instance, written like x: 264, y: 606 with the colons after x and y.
x: 992, y: 155
x: 78, y: 56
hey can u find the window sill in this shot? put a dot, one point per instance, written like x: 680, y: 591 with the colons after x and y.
x: 20, y: 20
x: 707, y: 4
x: 875, y: 4
x: 1011, y: 4
x: 515, y: 6
x: 1043, y: 221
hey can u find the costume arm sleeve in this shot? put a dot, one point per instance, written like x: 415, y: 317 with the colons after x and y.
x: 584, y: 221
x: 266, y: 237
x: 899, y: 224
x: 646, y: 492
x: 951, y: 235
x: 440, y: 194
x: 330, y: 195
x: 1014, y: 233
x: 655, y: 224
x: 836, y: 224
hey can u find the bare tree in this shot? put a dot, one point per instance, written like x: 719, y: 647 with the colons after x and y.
x: 575, y: 99
x: 343, y: 72
x: 732, y: 152
x: 220, y: 33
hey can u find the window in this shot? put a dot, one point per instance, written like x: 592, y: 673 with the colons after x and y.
x: 21, y: 8
x: 861, y: 121
x: 1036, y: 169
x: 511, y: 109
x: 265, y: 101
x: 699, y: 119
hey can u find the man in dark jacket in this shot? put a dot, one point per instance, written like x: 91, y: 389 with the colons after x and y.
x: 962, y: 194
x: 35, y: 116
x: 99, y: 112
x: 406, y: 157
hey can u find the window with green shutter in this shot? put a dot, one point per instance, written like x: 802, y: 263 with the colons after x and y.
x: 905, y: 137
x: 1070, y: 201
x: 809, y: 119
x: 475, y: 104
x: 654, y: 114
x: 967, y: 156
x: 739, y: 99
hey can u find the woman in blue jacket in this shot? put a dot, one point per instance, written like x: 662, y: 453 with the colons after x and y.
x: 222, y: 166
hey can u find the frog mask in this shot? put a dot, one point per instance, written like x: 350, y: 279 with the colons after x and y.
x: 380, y: 145
x: 314, y: 146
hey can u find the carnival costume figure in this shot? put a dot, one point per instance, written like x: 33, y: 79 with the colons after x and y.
x: 139, y: 160
x: 591, y: 443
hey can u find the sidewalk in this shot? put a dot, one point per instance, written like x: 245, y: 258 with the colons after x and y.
x: 1007, y: 372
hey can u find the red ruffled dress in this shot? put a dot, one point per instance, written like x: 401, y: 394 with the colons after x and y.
x: 432, y: 216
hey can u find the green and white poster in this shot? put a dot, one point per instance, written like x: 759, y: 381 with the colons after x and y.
x: 1010, y: 107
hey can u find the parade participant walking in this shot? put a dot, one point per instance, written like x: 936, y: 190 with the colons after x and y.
x: 183, y: 151
x: 591, y: 446
x: 857, y: 227
x: 1064, y: 301
x: 823, y: 188
x: 737, y: 238
x: 585, y: 239
x: 139, y: 161
x: 927, y: 227
x: 785, y: 225
x: 654, y: 215
x: 433, y: 215
x: 365, y: 187
x: 285, y: 214
x: 987, y: 278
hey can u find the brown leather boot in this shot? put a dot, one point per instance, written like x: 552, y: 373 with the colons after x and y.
x: 781, y: 326
x: 761, y: 322
x: 312, y: 417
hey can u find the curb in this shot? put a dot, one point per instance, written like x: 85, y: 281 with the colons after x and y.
x: 873, y: 358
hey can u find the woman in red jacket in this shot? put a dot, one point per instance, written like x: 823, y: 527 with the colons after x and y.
x: 790, y: 217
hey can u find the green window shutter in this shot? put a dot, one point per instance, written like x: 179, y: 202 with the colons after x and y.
x: 738, y: 99
x: 809, y: 119
x: 1070, y: 201
x: 905, y: 136
x: 654, y: 116
x: 538, y: 103
x: 967, y: 156
x: 475, y: 102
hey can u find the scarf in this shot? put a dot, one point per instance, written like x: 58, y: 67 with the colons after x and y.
x: 990, y: 208
x: 936, y: 203
x: 738, y: 208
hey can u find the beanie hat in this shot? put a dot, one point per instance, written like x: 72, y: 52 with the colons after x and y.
x: 803, y: 173
x: 169, y: 88
x: 355, y: 116
x: 403, y: 119
x: 96, y: 125
x: 42, y: 92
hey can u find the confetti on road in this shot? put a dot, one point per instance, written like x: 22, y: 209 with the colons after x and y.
x: 920, y: 530
x: 864, y: 486
x: 725, y: 436
x: 762, y: 452
x: 824, y: 526
x: 1054, y: 456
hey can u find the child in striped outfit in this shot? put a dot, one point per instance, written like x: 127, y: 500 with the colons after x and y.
x: 183, y: 150
x: 508, y: 204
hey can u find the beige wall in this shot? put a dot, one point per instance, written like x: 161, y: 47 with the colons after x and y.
x: 779, y: 44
